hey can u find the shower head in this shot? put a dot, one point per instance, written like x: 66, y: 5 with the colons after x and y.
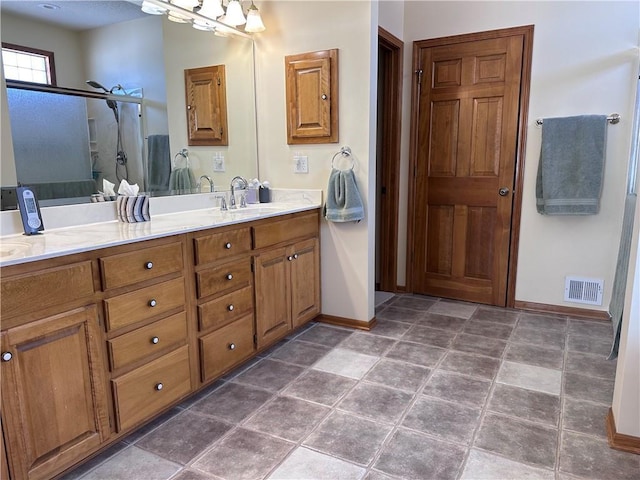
x: 94, y: 84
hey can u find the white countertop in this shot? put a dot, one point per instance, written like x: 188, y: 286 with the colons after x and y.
x: 19, y: 248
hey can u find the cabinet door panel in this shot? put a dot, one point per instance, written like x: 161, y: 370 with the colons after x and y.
x: 53, y: 395
x: 305, y: 282
x: 206, y: 105
x: 273, y: 317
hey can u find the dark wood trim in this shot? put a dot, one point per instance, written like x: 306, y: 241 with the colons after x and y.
x: 563, y: 310
x: 401, y: 289
x: 37, y: 51
x: 346, y: 322
x: 388, y: 153
x: 518, y: 181
x: 620, y: 441
x: 527, y: 33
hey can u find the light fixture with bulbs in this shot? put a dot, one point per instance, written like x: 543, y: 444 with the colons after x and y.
x: 211, y: 15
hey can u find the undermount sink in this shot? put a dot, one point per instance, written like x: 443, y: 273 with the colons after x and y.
x: 12, y: 249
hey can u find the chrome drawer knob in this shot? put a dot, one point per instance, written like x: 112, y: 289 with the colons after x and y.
x: 152, y: 302
x: 230, y: 307
x: 290, y: 258
x: 229, y: 276
x: 6, y: 356
x: 155, y: 340
x: 295, y: 256
x: 232, y: 346
x: 148, y: 265
x: 159, y: 387
x: 227, y: 245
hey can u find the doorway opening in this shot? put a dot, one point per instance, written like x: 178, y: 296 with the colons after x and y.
x: 390, y: 50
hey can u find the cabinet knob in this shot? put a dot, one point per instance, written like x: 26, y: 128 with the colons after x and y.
x: 229, y: 276
x: 158, y: 386
x: 290, y: 258
x: 227, y: 245
x: 6, y: 356
x: 324, y: 96
x: 152, y: 302
x: 295, y: 256
x: 230, y: 307
x: 155, y: 340
x: 148, y: 265
x: 232, y: 346
x: 188, y: 107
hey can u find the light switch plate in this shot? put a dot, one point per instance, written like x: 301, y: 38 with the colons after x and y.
x: 218, y: 162
x: 300, y: 164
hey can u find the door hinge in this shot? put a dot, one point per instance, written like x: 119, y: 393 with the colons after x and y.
x: 383, y: 190
x: 221, y: 131
x: 419, y: 75
x: 255, y: 339
x: 218, y: 81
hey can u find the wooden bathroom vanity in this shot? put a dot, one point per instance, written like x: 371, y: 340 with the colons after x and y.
x: 97, y: 343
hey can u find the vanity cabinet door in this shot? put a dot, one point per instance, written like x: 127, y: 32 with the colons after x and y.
x: 206, y: 105
x: 305, y: 281
x: 273, y: 313
x: 53, y: 393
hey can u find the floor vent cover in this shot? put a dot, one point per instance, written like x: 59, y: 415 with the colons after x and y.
x: 583, y: 290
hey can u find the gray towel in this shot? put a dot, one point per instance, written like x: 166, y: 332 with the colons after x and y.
x: 159, y: 162
x: 571, y: 167
x: 182, y: 180
x: 343, y: 199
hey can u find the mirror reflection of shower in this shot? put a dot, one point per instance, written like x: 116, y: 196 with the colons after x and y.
x: 122, y: 170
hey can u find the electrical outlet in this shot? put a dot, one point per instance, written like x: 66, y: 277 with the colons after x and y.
x: 301, y: 164
x: 218, y: 162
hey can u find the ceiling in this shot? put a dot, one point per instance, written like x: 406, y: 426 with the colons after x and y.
x: 75, y: 14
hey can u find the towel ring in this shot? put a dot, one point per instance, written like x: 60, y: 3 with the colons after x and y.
x: 184, y: 153
x: 345, y: 152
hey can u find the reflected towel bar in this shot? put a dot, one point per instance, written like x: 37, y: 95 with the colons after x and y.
x: 612, y: 119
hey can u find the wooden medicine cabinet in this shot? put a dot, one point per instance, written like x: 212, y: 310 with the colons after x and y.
x: 206, y: 100
x: 312, y: 97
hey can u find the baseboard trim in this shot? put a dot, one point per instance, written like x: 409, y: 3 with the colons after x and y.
x: 401, y: 289
x: 347, y: 322
x: 620, y: 441
x: 562, y: 310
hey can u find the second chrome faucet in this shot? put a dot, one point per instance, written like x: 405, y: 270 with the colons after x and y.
x: 241, y: 184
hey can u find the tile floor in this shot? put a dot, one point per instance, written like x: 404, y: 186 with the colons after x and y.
x: 438, y: 390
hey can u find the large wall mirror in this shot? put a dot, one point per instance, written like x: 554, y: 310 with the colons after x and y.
x: 144, y: 55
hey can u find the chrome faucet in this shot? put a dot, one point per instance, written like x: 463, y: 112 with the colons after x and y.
x: 208, y: 179
x: 243, y: 186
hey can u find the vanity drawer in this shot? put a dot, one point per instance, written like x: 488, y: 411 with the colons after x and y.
x: 162, y: 335
x: 218, y: 246
x: 230, y: 276
x: 145, y: 303
x: 145, y: 391
x: 225, y: 309
x: 56, y: 286
x: 226, y: 347
x: 274, y: 232
x: 144, y: 264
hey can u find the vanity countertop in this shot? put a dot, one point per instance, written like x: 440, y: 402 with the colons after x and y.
x: 18, y: 248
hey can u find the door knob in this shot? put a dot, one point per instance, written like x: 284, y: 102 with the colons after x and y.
x: 503, y: 192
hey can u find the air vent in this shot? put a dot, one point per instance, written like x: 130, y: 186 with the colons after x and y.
x: 583, y: 290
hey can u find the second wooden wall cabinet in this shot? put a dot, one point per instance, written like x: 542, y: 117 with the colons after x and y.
x: 312, y: 97
x: 206, y: 100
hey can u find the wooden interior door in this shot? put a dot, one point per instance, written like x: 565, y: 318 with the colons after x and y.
x: 465, y: 156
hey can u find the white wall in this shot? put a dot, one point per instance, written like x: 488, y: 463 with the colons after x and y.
x: 298, y: 27
x: 585, y: 58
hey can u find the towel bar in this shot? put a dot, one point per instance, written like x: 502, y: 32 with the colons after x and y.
x: 612, y: 119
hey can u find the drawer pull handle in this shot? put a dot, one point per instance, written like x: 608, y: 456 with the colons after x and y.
x: 232, y: 346
x: 158, y: 387
x: 229, y: 276
x: 230, y: 307
x: 152, y: 302
x: 227, y: 245
x: 148, y: 265
x: 155, y: 340
x: 6, y: 356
